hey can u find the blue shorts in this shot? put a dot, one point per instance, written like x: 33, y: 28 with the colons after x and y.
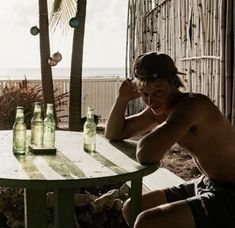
x: 212, y: 203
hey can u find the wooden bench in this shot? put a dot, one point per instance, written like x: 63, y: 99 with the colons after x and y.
x: 162, y: 178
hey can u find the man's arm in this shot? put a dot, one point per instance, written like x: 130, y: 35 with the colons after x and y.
x: 154, y: 145
x: 121, y: 127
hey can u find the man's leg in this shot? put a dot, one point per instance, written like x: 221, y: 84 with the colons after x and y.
x: 176, y: 214
x: 149, y: 200
x: 159, y: 197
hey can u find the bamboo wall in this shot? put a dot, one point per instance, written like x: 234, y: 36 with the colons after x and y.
x: 196, y: 34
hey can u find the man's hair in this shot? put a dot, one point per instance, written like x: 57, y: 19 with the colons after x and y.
x: 151, y: 66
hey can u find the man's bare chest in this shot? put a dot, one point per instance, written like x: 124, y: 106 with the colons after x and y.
x: 190, y: 140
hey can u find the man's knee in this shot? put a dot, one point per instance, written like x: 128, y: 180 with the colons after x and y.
x: 126, y: 210
x: 141, y: 220
x: 145, y: 218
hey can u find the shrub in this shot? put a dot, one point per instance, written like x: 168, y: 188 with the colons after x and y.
x: 24, y: 94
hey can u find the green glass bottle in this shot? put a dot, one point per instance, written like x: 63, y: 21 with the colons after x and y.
x: 19, y: 132
x: 49, y: 128
x: 89, y: 131
x: 37, y: 126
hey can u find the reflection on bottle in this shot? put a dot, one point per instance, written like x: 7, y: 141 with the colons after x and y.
x: 49, y: 128
x: 89, y: 131
x: 19, y: 132
x: 37, y: 126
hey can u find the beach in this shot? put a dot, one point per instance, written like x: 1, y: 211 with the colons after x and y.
x: 59, y: 73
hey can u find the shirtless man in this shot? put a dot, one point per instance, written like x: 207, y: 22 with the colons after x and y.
x: 194, y: 122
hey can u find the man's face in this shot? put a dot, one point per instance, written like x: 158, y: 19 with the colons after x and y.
x: 158, y: 96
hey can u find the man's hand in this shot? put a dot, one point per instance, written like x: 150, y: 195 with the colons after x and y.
x: 128, y: 90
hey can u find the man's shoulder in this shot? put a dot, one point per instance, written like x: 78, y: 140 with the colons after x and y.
x: 198, y: 96
x: 195, y: 99
x: 201, y: 108
x: 195, y: 106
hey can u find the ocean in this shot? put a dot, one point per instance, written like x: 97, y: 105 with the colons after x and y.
x: 58, y: 73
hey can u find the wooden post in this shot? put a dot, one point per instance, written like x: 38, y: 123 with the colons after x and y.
x: 35, y: 208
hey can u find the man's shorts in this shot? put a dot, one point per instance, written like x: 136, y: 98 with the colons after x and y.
x: 212, y: 203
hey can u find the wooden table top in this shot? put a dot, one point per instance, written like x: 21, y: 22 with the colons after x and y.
x: 71, y: 166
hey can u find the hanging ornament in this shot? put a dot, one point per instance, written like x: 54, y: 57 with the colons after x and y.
x: 51, y: 62
x: 34, y: 30
x: 74, y: 22
x: 57, y: 57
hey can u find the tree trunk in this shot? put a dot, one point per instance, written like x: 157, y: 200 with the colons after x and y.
x: 46, y: 73
x: 75, y: 123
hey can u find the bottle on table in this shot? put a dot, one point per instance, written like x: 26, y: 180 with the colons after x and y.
x: 37, y: 126
x: 89, y: 131
x: 19, y: 132
x: 49, y: 128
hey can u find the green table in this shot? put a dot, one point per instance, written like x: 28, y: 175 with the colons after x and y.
x: 71, y: 168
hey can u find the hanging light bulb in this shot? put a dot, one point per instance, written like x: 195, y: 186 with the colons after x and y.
x: 74, y: 22
x: 57, y: 57
x: 34, y: 30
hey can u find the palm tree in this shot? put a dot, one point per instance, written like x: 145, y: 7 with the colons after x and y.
x: 62, y: 11
x: 46, y: 73
x: 75, y: 123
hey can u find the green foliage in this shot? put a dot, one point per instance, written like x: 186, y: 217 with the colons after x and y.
x: 24, y: 94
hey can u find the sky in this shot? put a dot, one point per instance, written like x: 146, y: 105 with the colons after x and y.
x: 104, y: 42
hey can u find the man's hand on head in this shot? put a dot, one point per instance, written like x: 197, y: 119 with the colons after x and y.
x: 128, y: 90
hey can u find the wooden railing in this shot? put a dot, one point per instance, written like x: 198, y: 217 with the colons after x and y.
x: 97, y: 92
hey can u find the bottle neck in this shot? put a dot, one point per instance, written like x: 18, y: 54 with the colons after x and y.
x: 50, y: 112
x: 37, y: 115
x: 90, y: 115
x: 37, y: 111
x: 20, y: 119
x: 20, y: 116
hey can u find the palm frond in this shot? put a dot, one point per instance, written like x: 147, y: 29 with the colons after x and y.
x: 62, y: 11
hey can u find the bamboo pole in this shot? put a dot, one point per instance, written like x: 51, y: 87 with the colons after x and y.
x: 228, y: 57
x: 201, y: 57
x: 179, y: 26
x: 163, y: 10
x: 200, y: 9
x: 205, y: 67
x: 130, y: 32
x: 188, y: 27
x: 133, y: 22
x: 216, y: 22
x: 222, y: 51
x: 167, y: 28
x: 233, y: 82
x: 197, y: 46
x: 217, y: 83
x: 127, y: 73
x: 183, y: 28
x: 174, y: 35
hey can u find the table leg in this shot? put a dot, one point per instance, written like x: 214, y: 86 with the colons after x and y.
x: 135, y: 195
x: 35, y: 208
x: 64, y: 208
